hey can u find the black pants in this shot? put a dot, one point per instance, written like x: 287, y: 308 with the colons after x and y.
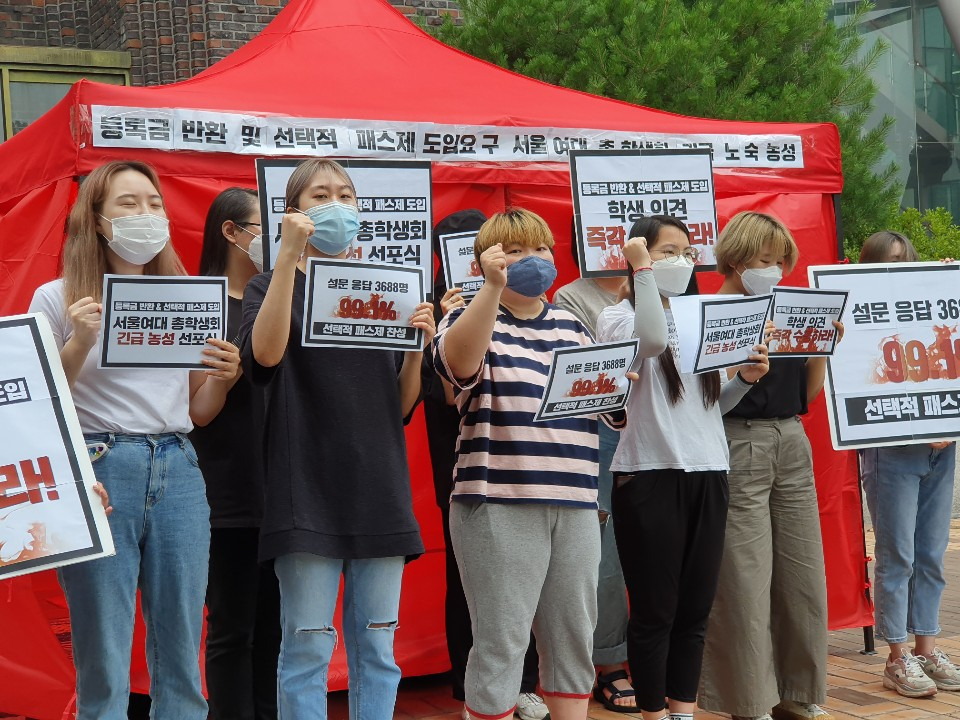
x: 459, y: 633
x: 243, y: 628
x: 670, y: 528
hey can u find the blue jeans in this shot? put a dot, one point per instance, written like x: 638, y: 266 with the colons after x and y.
x: 610, y: 635
x: 371, y: 605
x: 909, y: 493
x: 161, y: 529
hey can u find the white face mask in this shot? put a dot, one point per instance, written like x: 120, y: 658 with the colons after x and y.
x: 138, y: 239
x: 255, y: 250
x: 672, y: 275
x: 760, y: 281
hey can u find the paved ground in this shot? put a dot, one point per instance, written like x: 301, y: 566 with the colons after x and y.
x: 854, y: 679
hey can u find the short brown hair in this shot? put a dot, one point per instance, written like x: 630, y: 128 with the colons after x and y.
x: 513, y: 226
x: 85, y: 252
x: 743, y: 237
x: 877, y: 247
x: 303, y: 174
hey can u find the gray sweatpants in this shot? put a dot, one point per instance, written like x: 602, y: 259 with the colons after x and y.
x: 526, y: 565
x: 767, y: 635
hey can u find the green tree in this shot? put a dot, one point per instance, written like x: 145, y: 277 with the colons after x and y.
x: 726, y: 59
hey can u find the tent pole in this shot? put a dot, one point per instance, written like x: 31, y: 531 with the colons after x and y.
x: 869, y: 645
x: 841, y: 253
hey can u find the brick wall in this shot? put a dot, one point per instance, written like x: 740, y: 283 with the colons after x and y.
x: 169, y: 40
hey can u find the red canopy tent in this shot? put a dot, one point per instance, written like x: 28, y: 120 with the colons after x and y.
x: 364, y: 64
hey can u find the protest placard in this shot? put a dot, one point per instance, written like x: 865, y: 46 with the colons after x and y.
x: 350, y: 303
x: 803, y: 318
x: 587, y: 380
x: 395, y: 202
x: 460, y: 267
x: 718, y: 331
x: 160, y: 322
x: 895, y: 378
x: 49, y: 515
x: 614, y: 189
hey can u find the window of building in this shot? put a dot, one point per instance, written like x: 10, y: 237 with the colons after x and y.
x: 33, y: 80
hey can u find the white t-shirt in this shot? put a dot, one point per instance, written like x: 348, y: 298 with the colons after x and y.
x: 138, y: 401
x: 659, y: 435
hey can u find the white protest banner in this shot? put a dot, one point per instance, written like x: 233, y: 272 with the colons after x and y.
x: 160, y: 322
x: 804, y: 319
x: 261, y: 135
x: 587, y: 380
x: 612, y: 190
x: 395, y: 202
x: 49, y: 514
x: 718, y: 331
x: 895, y: 378
x: 350, y: 303
x: 460, y: 268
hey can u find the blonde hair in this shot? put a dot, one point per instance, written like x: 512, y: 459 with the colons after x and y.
x: 877, y: 247
x: 85, y: 252
x: 742, y: 240
x: 513, y: 226
x: 304, y: 173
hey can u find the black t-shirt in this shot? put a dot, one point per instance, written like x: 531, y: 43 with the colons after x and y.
x: 229, y: 449
x: 337, y: 480
x: 780, y: 394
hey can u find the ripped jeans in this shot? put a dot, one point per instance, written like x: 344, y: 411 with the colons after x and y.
x: 371, y: 602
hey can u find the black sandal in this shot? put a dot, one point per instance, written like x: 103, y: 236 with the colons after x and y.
x: 605, y: 683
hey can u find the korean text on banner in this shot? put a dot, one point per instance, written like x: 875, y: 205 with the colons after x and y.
x: 587, y: 380
x: 49, y: 514
x: 612, y: 190
x: 396, y: 210
x: 161, y: 322
x: 803, y: 318
x: 895, y: 378
x: 460, y: 267
x: 357, y: 304
x: 718, y: 331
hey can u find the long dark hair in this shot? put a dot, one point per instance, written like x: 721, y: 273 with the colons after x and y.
x: 232, y: 204
x: 649, y: 227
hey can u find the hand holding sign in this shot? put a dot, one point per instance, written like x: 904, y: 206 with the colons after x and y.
x: 451, y: 300
x: 422, y: 319
x: 757, y: 367
x: 493, y: 261
x: 222, y: 357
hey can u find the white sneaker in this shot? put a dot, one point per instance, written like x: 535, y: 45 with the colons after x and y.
x: 938, y: 668
x: 790, y: 710
x: 530, y: 706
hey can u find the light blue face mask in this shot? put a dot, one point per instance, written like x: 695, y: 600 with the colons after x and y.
x: 532, y: 276
x: 335, y: 225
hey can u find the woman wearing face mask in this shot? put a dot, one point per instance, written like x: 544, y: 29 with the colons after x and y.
x: 767, y: 644
x: 523, y: 512
x: 909, y: 491
x: 135, y: 423
x: 670, y: 475
x: 338, y: 497
x: 243, y: 599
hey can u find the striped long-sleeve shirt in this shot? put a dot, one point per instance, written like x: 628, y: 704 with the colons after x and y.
x: 502, y: 454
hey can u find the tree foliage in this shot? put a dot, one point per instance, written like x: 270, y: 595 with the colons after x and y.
x: 726, y: 59
x: 933, y: 233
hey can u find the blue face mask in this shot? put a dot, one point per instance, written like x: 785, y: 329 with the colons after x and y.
x: 532, y: 276
x: 335, y: 225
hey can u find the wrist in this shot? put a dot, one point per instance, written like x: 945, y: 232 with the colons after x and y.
x: 640, y: 269
x: 744, y: 380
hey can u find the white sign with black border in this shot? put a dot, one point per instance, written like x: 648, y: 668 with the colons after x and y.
x: 718, y: 331
x: 49, y: 514
x: 587, y: 380
x: 612, y: 190
x: 160, y: 321
x: 803, y: 318
x: 350, y: 303
x: 460, y: 267
x: 395, y: 200
x: 895, y: 378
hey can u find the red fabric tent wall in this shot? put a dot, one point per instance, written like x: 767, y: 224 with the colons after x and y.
x: 392, y: 70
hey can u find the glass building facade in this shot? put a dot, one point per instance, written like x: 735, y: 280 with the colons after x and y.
x: 918, y: 81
